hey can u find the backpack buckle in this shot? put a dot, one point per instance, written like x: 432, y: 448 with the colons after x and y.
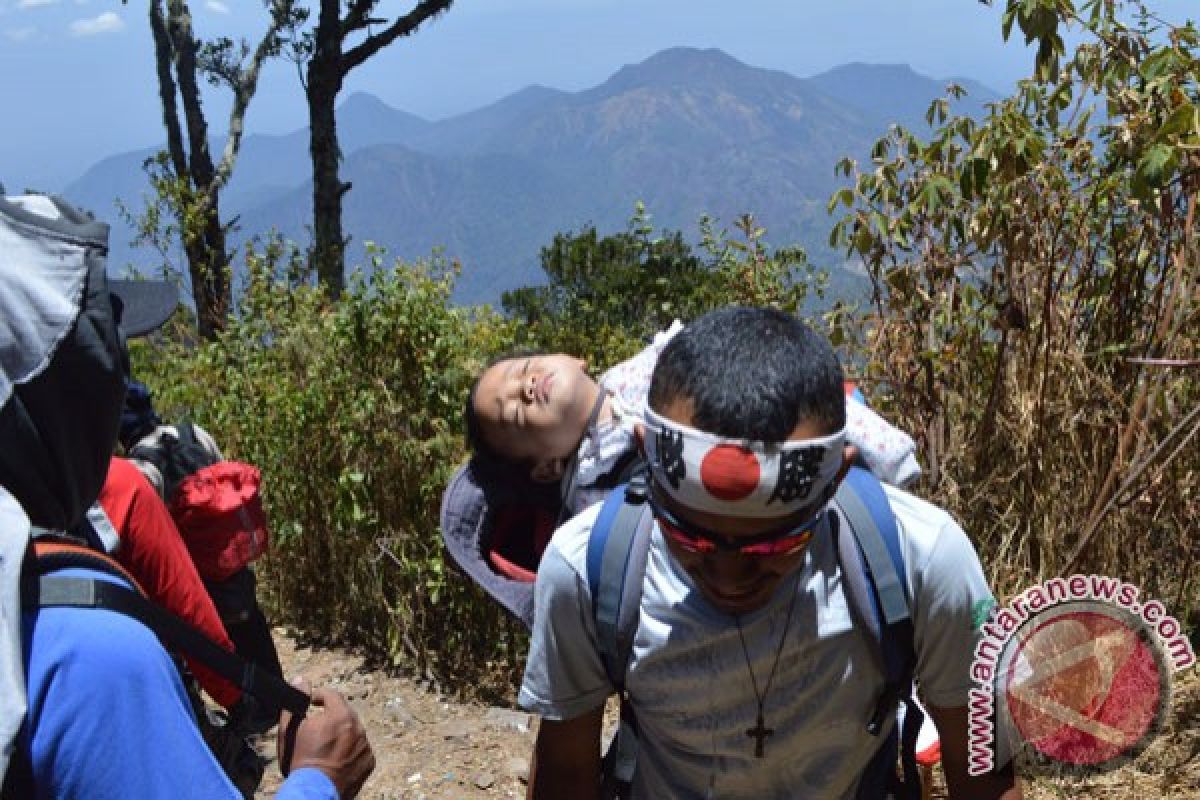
x: 637, y: 491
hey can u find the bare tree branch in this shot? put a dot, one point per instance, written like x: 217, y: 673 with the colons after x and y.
x: 403, y: 26
x: 246, y: 84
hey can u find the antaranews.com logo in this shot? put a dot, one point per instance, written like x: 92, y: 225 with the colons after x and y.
x: 1074, y: 673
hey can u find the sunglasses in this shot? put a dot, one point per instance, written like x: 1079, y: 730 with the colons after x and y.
x: 694, y: 539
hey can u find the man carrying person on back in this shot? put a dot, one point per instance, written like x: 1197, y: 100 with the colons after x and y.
x: 748, y: 675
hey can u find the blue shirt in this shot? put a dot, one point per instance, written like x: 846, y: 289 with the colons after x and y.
x: 109, y: 718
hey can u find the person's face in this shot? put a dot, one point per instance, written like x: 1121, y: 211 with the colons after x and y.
x: 734, y: 582
x: 535, y: 409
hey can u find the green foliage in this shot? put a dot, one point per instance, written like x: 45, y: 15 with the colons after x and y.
x: 1025, y: 268
x: 607, y: 295
x: 353, y: 412
x: 353, y: 407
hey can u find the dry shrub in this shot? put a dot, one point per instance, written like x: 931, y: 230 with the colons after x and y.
x: 1036, y: 316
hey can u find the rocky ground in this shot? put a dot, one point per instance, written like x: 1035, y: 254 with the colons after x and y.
x: 431, y: 748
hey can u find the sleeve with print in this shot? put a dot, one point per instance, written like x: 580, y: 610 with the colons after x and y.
x: 949, y: 590
x: 564, y: 675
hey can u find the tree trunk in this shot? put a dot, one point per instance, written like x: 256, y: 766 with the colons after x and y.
x: 206, y: 253
x: 164, y: 58
x: 324, y: 83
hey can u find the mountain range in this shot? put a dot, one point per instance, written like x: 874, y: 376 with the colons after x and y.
x: 687, y: 131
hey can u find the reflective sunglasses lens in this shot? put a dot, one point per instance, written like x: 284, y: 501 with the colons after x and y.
x: 684, y: 540
x: 788, y: 545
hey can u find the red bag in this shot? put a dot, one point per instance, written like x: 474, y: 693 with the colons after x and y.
x: 219, y: 512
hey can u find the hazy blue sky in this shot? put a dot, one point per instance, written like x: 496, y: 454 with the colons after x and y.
x: 77, y: 79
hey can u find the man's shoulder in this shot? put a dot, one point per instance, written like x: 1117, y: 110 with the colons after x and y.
x: 569, y: 545
x: 925, y: 530
x: 916, y: 514
x: 103, y: 639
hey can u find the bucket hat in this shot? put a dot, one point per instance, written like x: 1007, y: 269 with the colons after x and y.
x: 145, y: 306
x: 496, y: 533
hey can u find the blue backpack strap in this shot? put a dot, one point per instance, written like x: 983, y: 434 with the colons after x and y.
x: 618, y: 546
x: 616, y: 562
x: 873, y: 568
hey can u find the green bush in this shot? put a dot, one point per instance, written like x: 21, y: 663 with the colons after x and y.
x: 353, y: 412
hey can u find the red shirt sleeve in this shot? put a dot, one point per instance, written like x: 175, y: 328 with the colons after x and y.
x: 154, y: 554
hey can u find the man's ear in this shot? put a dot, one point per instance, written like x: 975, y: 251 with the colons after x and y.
x: 548, y: 471
x: 849, y: 458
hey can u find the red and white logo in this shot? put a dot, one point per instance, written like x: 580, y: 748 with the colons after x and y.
x: 1084, y: 685
x: 1075, y: 675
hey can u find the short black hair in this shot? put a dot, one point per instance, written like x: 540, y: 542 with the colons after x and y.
x: 751, y: 373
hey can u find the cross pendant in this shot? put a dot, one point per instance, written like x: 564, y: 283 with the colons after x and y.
x: 759, y: 734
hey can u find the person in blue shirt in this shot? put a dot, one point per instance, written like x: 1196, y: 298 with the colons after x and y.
x: 91, y: 705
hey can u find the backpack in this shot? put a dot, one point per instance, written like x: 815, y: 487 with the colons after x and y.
x: 217, y: 505
x: 872, y: 562
x: 43, y: 589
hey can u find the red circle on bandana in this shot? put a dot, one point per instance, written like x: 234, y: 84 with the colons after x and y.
x: 729, y: 472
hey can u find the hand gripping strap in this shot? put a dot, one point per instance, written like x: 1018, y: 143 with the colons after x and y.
x: 616, y: 562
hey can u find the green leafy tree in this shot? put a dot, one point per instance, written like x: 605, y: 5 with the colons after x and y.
x: 606, y: 295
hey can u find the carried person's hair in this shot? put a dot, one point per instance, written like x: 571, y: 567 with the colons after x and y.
x: 751, y: 373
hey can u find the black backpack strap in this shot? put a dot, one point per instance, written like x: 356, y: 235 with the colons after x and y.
x: 18, y: 779
x: 874, y: 574
x: 186, y: 434
x: 59, y: 591
x: 98, y: 531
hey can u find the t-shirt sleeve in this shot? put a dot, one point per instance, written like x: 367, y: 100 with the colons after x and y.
x: 564, y: 675
x: 108, y: 716
x: 307, y: 784
x: 950, y: 596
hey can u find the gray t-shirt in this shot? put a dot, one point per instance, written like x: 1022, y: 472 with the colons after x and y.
x: 688, y: 680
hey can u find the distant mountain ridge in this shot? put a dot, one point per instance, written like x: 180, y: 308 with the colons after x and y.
x: 687, y: 131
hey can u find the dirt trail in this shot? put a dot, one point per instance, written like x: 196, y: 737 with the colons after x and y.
x: 426, y: 747
x: 429, y: 748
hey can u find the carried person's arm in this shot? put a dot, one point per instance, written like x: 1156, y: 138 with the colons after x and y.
x: 566, y: 758
x: 999, y: 784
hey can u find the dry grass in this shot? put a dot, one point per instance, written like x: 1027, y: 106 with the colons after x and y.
x: 1169, y: 769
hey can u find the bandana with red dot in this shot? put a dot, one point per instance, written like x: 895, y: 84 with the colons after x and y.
x: 739, y: 477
